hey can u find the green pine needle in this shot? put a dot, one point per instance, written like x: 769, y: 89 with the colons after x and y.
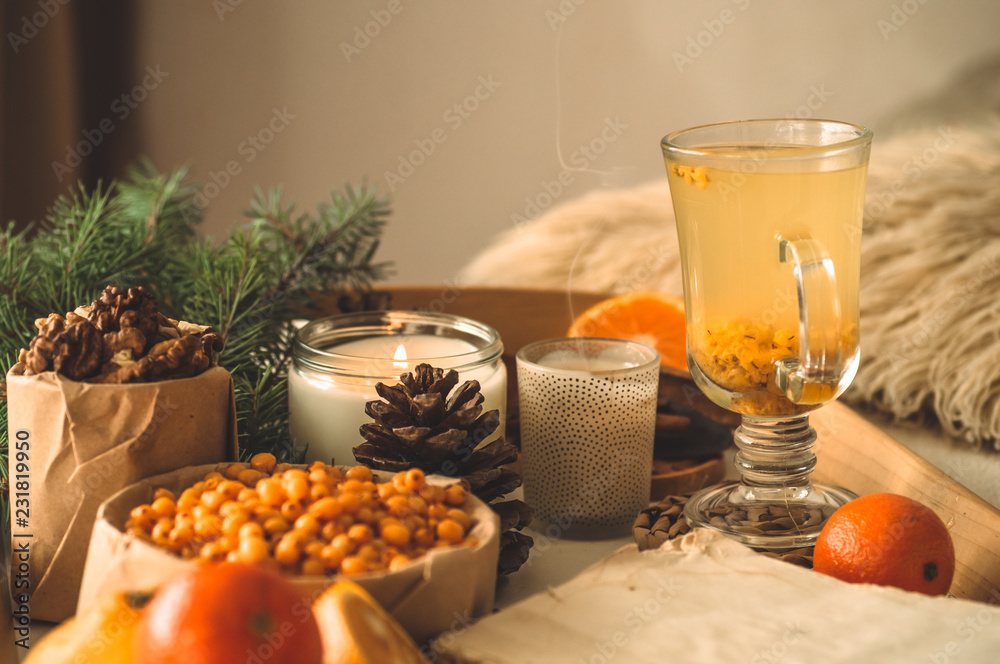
x: 141, y: 231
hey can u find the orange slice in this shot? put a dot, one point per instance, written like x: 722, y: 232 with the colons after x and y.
x: 655, y: 319
x: 356, y: 629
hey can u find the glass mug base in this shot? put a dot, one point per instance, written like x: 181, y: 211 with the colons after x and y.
x: 772, y: 522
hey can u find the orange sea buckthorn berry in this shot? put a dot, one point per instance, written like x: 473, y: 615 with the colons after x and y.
x: 432, y: 493
x: 317, y: 474
x: 231, y: 507
x: 296, y: 485
x: 423, y: 537
x: 399, y: 505
x: 248, y: 496
x: 385, y: 491
x: 233, y: 470
x: 312, y: 567
x: 164, y: 493
x: 455, y: 495
x: 263, y: 462
x: 349, y: 502
x: 250, y: 477
x: 292, y: 509
x: 271, y: 491
x: 329, y: 530
x: 399, y: 483
x: 287, y: 552
x: 368, y: 553
x: 280, y: 468
x: 361, y: 533
x: 276, y: 525
x: 253, y: 550
x: 318, y: 491
x: 325, y: 508
x: 250, y: 530
x: 415, y: 479
x: 208, y: 527
x: 418, y: 505
x: 352, y: 486
x: 331, y: 557
x: 230, y: 489
x: 360, y: 473
x: 307, y: 524
x: 365, y: 515
x: 164, y: 507
x: 353, y: 565
x: 143, y: 516
x: 450, y: 531
x: 189, y: 498
x: 212, y: 499
x: 398, y: 562
x: 395, y: 533
x: 232, y: 524
x: 212, y: 552
x: 343, y: 544
x: 461, y: 517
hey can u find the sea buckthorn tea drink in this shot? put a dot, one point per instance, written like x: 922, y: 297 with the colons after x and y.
x: 769, y: 216
x: 735, y: 220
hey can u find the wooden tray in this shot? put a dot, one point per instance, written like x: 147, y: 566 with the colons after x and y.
x: 852, y: 452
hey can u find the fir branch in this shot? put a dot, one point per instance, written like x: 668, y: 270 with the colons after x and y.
x: 141, y: 232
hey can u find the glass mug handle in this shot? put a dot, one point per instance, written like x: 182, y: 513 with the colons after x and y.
x: 813, y: 377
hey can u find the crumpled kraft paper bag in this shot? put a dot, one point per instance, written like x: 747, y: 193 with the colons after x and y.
x: 84, y: 443
x: 445, y: 589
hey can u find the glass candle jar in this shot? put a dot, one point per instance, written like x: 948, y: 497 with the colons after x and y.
x: 338, y: 361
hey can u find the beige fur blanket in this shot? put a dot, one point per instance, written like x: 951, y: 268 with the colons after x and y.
x: 930, y: 293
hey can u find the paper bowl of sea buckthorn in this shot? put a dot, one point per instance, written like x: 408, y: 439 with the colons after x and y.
x: 422, y: 545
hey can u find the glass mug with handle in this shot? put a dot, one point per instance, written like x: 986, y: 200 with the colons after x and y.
x: 769, y: 216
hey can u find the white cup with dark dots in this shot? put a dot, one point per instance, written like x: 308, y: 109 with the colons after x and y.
x: 588, y: 422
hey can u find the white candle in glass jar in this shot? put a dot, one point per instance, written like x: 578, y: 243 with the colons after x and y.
x: 327, y: 409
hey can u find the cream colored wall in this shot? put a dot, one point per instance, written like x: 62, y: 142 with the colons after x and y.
x: 554, y: 98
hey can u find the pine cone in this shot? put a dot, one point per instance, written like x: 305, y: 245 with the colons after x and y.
x: 429, y: 421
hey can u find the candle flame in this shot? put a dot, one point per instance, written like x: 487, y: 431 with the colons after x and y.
x: 399, y: 359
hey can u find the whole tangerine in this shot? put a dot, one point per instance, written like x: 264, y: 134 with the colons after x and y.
x: 888, y: 540
x: 228, y: 612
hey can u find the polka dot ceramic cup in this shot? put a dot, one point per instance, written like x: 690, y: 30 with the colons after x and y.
x: 588, y: 419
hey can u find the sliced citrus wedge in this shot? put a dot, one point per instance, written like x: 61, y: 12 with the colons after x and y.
x: 655, y: 319
x: 356, y: 630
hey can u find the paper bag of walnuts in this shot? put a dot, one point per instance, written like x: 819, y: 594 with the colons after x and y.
x: 112, y: 393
